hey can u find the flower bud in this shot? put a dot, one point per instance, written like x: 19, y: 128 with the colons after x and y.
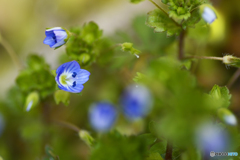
x: 231, y: 61
x: 86, y: 137
x: 31, y: 101
x: 136, y: 102
x: 56, y: 37
x: 227, y: 116
x: 208, y: 14
x: 102, y: 116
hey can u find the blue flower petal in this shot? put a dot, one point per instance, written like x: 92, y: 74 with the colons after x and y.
x: 60, y: 35
x: 102, y: 116
x: 82, y: 76
x: 77, y: 89
x: 72, y: 66
x: 49, y: 33
x: 49, y: 41
x: 58, y: 44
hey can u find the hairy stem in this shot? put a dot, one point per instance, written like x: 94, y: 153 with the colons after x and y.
x: 67, y: 125
x: 233, y: 78
x: 11, y: 53
x: 181, y: 46
x: 169, y: 149
x: 204, y: 57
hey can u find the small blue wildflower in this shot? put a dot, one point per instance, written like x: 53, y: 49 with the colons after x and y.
x: 208, y: 15
x: 56, y: 37
x: 136, y: 102
x: 70, y: 77
x: 211, y: 137
x: 102, y: 116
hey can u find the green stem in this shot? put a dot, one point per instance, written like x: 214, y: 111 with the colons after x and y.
x: 181, y: 46
x: 204, y: 57
x: 164, y: 12
x: 11, y: 53
x: 233, y: 78
x: 67, y: 125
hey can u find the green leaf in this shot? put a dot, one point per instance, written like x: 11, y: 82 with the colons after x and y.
x: 195, y: 18
x: 154, y: 156
x: 118, y: 147
x: 91, y: 32
x: 139, y: 77
x: 187, y: 64
x: 128, y: 47
x: 221, y: 95
x: 62, y: 96
x: 149, y: 137
x: 36, y: 77
x: 160, y: 21
x: 50, y: 153
x: 54, y: 73
x: 159, y: 147
x: 136, y: 1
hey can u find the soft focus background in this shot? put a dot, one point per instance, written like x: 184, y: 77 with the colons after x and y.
x: 22, y: 25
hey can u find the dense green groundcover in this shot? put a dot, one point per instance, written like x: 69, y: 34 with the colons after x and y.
x: 57, y: 125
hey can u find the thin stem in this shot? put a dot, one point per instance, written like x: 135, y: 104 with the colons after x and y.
x: 204, y: 57
x: 233, y: 78
x: 11, y: 53
x: 169, y: 150
x: 67, y: 125
x: 164, y: 12
x: 181, y: 46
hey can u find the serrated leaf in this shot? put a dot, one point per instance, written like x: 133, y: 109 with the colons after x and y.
x: 195, y: 18
x: 160, y: 21
x: 136, y: 1
x: 221, y: 94
x: 91, y: 32
x: 154, y: 156
x: 138, y: 77
x: 159, y: 147
x: 149, y: 137
x: 62, y: 96
x: 178, y: 14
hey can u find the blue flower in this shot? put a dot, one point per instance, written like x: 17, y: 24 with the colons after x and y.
x: 211, y: 137
x: 56, y: 37
x: 2, y: 124
x: 70, y: 77
x: 102, y: 116
x: 136, y: 102
x: 208, y: 15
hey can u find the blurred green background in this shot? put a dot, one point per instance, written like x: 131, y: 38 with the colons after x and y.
x: 22, y: 25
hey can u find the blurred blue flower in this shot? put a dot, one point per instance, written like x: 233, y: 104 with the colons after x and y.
x: 102, y: 116
x: 210, y: 137
x: 70, y: 77
x: 2, y: 124
x: 56, y: 37
x: 208, y: 15
x: 136, y: 102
